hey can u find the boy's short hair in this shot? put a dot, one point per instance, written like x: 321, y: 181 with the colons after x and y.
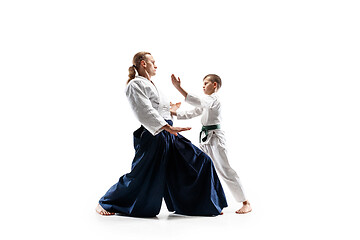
x: 214, y: 78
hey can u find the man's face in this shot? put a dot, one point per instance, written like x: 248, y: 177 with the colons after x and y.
x: 150, y: 66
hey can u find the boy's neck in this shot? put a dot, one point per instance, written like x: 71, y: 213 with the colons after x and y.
x: 211, y: 93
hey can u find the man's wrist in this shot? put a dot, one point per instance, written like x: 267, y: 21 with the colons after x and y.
x: 166, y: 127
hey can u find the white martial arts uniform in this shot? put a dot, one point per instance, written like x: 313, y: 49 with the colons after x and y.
x: 214, y: 145
x: 149, y: 105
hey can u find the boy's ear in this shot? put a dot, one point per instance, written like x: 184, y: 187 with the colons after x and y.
x: 215, y: 84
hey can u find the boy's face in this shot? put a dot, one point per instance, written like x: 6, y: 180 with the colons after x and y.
x: 209, y: 87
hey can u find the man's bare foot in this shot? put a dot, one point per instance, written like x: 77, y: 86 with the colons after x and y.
x: 102, y: 211
x: 246, y: 208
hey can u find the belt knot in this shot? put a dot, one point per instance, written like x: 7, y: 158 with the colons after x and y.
x: 206, y: 130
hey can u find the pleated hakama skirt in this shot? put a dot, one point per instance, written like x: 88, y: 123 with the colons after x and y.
x: 169, y: 167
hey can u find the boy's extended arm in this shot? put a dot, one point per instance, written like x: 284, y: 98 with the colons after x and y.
x: 189, y: 114
x: 184, y: 114
x: 199, y: 104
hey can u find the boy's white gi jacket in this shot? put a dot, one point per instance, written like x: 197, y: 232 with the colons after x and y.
x: 210, y: 108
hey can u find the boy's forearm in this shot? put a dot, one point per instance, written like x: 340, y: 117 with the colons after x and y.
x: 182, y: 91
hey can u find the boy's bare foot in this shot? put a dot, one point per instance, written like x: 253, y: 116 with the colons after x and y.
x: 102, y: 211
x: 246, y: 208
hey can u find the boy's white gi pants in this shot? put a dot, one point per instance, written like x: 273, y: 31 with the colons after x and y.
x: 214, y: 146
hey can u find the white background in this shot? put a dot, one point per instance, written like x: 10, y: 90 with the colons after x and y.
x: 290, y: 72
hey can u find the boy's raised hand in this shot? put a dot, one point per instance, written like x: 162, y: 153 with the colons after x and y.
x: 177, y: 84
x: 175, y: 81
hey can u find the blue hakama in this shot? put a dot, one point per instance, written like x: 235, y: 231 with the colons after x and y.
x: 169, y: 167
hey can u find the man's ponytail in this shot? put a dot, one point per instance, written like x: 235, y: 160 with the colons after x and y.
x: 132, y: 73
